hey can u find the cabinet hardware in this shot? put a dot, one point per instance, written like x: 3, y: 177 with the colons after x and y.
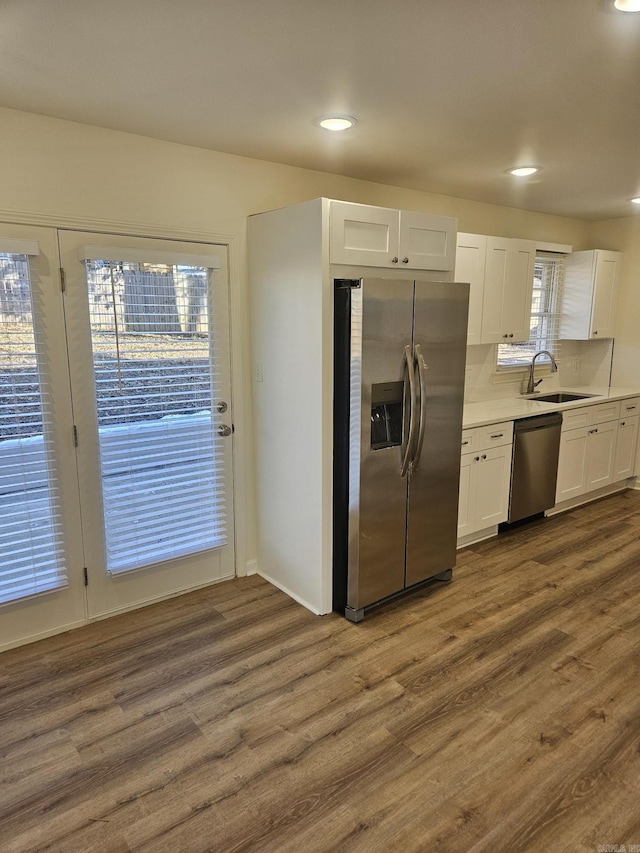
x: 464, y: 443
x: 484, y: 456
x: 505, y: 336
x: 623, y: 423
x: 498, y: 435
x: 595, y: 331
x: 511, y: 335
x: 405, y: 260
x: 394, y: 260
x: 476, y: 458
x: 591, y: 431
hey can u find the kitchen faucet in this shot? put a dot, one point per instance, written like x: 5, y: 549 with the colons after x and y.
x: 531, y: 385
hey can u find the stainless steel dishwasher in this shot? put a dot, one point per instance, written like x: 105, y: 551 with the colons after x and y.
x: 536, y: 443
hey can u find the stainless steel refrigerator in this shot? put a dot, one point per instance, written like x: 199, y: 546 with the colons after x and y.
x: 399, y: 367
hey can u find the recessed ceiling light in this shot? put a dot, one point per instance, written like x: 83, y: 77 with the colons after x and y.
x: 337, y: 122
x: 627, y: 5
x: 524, y: 171
x: 635, y: 200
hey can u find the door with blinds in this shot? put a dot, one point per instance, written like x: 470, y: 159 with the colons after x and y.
x: 147, y: 332
x: 41, y: 560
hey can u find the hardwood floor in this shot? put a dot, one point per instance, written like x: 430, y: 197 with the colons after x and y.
x: 500, y: 712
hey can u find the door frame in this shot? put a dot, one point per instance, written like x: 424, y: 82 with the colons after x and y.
x: 245, y: 561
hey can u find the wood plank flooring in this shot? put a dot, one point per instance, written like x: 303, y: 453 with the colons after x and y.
x: 500, y: 712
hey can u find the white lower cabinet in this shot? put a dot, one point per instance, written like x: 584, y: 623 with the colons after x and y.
x: 485, y: 476
x: 626, y: 443
x: 572, y: 465
x: 586, y: 461
x: 598, y: 454
x: 601, y: 448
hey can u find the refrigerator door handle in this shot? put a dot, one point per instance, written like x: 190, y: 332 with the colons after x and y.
x: 422, y: 374
x: 412, y: 411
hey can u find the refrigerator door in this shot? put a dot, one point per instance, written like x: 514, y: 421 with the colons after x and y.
x: 440, y: 330
x: 380, y: 423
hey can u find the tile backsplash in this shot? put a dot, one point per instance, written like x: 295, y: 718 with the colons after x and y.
x: 579, y: 363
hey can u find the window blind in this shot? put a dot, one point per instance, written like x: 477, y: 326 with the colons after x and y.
x: 546, y: 312
x: 155, y: 335
x: 31, y: 547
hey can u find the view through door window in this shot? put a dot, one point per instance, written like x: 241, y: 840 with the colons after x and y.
x: 155, y: 367
x: 31, y: 553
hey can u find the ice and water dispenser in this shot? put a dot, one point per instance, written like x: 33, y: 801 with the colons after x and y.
x: 386, y: 414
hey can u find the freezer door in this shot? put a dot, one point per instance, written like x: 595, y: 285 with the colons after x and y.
x: 440, y: 332
x: 381, y: 327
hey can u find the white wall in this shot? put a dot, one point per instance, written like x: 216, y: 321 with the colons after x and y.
x: 54, y: 172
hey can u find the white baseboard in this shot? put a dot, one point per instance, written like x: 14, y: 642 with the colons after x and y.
x: 251, y: 567
x: 288, y: 592
x: 33, y: 638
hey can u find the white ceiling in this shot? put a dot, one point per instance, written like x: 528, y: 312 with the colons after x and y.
x: 448, y: 93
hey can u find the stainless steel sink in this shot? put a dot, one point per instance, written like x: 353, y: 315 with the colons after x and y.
x: 560, y: 397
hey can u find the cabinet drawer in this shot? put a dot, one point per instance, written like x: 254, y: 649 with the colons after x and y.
x: 630, y: 407
x: 469, y: 440
x: 575, y: 419
x: 495, y: 435
x: 600, y: 414
x: 604, y: 412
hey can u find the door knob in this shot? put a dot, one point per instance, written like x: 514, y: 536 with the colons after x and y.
x: 224, y: 430
x: 221, y: 407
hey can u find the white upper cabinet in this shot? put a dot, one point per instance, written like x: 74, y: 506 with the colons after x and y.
x: 426, y: 242
x: 363, y: 235
x: 590, y: 294
x: 471, y: 253
x: 508, y: 285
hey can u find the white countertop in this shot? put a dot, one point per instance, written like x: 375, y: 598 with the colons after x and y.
x: 510, y: 408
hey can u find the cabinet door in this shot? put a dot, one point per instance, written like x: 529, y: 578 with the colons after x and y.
x: 466, y: 500
x: 572, y: 464
x: 471, y: 253
x: 364, y: 235
x: 426, y: 242
x: 626, y: 443
x: 516, y: 303
x: 493, y: 472
x: 605, y: 293
x: 601, y: 454
x: 590, y: 294
x: 508, y: 284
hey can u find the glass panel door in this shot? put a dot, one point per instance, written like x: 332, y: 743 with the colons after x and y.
x: 147, y: 324
x: 41, y: 568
